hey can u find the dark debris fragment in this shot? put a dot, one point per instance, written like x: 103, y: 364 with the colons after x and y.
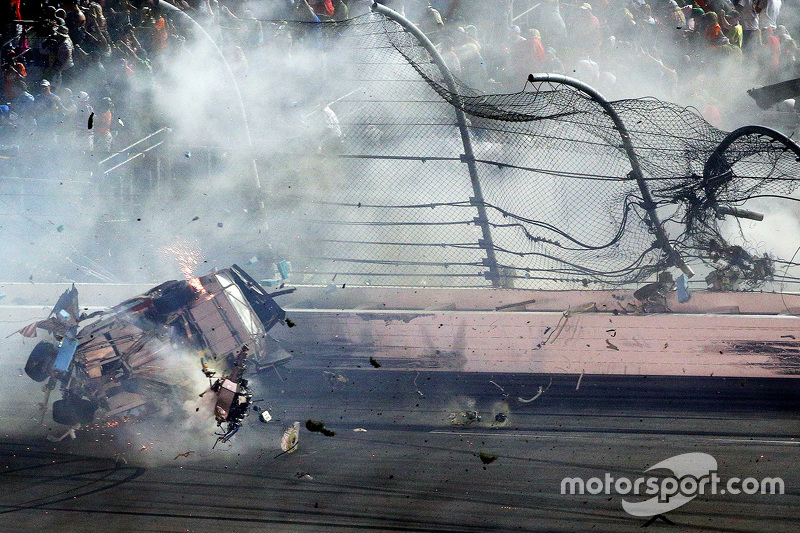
x: 184, y: 454
x: 487, y: 458
x: 319, y: 427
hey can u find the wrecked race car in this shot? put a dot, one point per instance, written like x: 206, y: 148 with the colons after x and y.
x: 135, y: 357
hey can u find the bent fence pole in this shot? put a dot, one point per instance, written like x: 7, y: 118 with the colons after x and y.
x: 201, y: 31
x: 717, y: 171
x: 468, y: 157
x: 636, y: 172
x: 712, y: 166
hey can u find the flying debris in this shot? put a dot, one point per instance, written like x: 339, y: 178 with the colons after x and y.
x: 319, y: 427
x: 290, y: 439
x: 184, y: 454
x: 465, y: 418
x: 118, y: 361
x: 487, y: 458
x: 335, y: 381
x: 652, y: 297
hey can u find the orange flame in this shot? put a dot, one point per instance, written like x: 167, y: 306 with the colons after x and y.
x: 197, y: 286
x: 189, y: 257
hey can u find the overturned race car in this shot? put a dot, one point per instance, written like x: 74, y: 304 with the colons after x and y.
x: 131, y: 358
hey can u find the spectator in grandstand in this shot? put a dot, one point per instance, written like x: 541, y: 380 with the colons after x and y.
x: 551, y: 23
x: 768, y: 16
x: 102, y: 138
x: 47, y: 106
x: 695, y: 20
x: 788, y: 60
x: 713, y: 31
x: 647, y: 15
x: 340, y: 10
x: 662, y: 78
x: 451, y: 59
x: 118, y: 17
x: 74, y: 19
x: 733, y: 30
x: 129, y: 47
x: 322, y: 8
x: 751, y: 29
x: 57, y: 50
x: 587, y: 70
x: 623, y: 26
x: 770, y: 55
x: 13, y: 70
x: 585, y: 33
x: 82, y: 135
x: 69, y: 108
x: 431, y: 22
x: 49, y: 113
x: 554, y: 64
x: 529, y: 55
x: 710, y: 109
x: 782, y: 33
x: 468, y: 49
x: 21, y: 104
x: 304, y: 12
x: 154, y: 30
x: 506, y: 61
x: 671, y: 15
x: 9, y: 11
x: 90, y: 36
x: 244, y: 28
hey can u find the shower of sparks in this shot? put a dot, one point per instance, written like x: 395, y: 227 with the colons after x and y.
x: 188, y: 257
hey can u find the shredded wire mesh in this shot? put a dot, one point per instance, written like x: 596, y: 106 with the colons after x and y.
x: 392, y: 199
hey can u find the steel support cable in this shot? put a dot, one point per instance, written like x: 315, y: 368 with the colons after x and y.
x: 550, y: 227
x: 409, y: 206
x: 345, y: 223
x: 614, y: 273
x: 396, y: 262
x: 470, y: 245
x: 414, y: 274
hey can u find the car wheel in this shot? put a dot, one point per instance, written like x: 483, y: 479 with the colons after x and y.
x: 73, y: 411
x: 40, y: 361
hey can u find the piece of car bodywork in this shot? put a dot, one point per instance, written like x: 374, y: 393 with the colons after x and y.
x: 134, y: 356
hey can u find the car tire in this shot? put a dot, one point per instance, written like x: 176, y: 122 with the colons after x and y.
x: 40, y: 361
x: 73, y: 411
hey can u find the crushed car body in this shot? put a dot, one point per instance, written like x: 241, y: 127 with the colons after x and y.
x: 131, y: 358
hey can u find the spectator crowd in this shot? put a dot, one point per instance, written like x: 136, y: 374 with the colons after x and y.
x: 704, y: 53
x: 79, y: 73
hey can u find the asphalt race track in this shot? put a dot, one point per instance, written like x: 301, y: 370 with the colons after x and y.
x: 417, y: 465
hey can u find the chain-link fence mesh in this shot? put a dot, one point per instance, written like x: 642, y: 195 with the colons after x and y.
x: 389, y: 192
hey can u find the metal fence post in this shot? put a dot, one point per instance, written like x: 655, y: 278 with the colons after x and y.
x: 237, y: 94
x: 468, y: 156
x: 636, y: 172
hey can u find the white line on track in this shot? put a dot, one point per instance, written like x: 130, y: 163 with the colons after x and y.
x: 594, y: 436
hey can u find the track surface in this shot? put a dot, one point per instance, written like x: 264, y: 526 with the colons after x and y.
x: 412, y: 469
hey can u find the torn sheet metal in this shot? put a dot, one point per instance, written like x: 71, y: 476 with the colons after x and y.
x: 139, y: 354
